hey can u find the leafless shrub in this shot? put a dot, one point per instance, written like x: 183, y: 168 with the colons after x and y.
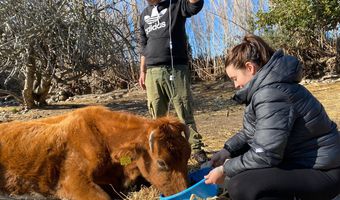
x: 63, y: 41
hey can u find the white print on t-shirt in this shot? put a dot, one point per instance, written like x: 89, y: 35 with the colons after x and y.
x: 153, y: 20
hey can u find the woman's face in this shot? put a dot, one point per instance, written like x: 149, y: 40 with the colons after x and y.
x: 241, y: 77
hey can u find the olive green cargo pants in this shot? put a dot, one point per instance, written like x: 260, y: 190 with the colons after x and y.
x: 160, y: 91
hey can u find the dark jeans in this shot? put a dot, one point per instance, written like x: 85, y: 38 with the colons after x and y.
x: 283, y: 184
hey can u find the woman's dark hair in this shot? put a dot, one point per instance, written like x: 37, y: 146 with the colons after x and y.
x: 253, y: 48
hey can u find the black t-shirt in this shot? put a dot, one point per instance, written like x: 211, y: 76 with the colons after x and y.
x: 155, y: 37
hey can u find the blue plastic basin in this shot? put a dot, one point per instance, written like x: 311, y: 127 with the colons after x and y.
x: 199, y: 188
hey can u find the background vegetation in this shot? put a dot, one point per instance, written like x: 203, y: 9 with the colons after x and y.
x: 70, y: 47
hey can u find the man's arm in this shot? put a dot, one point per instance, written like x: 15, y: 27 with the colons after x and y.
x: 142, y: 72
x: 143, y: 43
x: 191, y: 7
x: 142, y: 64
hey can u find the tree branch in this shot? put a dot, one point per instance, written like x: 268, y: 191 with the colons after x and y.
x: 19, y: 99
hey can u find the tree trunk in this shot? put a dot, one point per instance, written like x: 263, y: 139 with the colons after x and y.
x: 337, y: 64
x: 27, y: 92
x: 41, y: 92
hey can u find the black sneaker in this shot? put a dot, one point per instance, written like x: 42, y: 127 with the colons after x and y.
x: 200, y: 156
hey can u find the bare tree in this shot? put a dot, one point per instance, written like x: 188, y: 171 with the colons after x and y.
x: 63, y: 41
x: 218, y: 27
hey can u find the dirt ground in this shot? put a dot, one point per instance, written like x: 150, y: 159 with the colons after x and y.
x: 217, y: 117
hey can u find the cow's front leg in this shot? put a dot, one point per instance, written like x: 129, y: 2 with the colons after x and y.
x: 78, y: 187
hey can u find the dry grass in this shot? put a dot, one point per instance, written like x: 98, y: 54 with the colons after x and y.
x: 216, y: 118
x: 145, y: 193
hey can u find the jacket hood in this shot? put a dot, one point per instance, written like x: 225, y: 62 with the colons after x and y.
x: 279, y: 69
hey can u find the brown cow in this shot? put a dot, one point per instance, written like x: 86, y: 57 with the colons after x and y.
x: 70, y: 155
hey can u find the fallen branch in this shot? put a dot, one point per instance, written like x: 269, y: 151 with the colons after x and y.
x: 19, y: 99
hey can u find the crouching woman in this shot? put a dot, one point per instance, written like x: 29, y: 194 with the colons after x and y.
x: 288, y: 147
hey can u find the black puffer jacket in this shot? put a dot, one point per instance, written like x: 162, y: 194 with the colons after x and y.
x: 284, y: 125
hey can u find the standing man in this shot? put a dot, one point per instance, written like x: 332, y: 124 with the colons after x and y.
x: 164, y: 71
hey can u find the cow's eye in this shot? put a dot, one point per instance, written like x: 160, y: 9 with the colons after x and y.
x: 162, y: 165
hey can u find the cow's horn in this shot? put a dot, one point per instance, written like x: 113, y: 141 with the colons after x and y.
x: 151, y: 138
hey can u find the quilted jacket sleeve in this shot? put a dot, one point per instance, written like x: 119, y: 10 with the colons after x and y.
x: 236, y: 143
x: 274, y: 121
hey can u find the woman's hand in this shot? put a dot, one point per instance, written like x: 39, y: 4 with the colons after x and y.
x: 215, y: 176
x: 220, y: 157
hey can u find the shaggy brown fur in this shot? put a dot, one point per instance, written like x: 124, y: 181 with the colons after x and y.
x: 69, y: 156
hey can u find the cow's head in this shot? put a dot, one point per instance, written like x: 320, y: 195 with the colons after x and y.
x: 165, y: 163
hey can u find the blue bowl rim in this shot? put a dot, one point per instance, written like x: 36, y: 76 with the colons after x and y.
x: 184, y: 191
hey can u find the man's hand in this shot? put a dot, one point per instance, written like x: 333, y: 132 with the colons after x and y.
x: 215, y: 176
x: 141, y: 81
x: 220, y: 157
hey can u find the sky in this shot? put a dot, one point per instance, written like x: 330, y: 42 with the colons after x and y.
x: 223, y: 39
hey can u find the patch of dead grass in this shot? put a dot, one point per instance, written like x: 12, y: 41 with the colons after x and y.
x: 146, y: 193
